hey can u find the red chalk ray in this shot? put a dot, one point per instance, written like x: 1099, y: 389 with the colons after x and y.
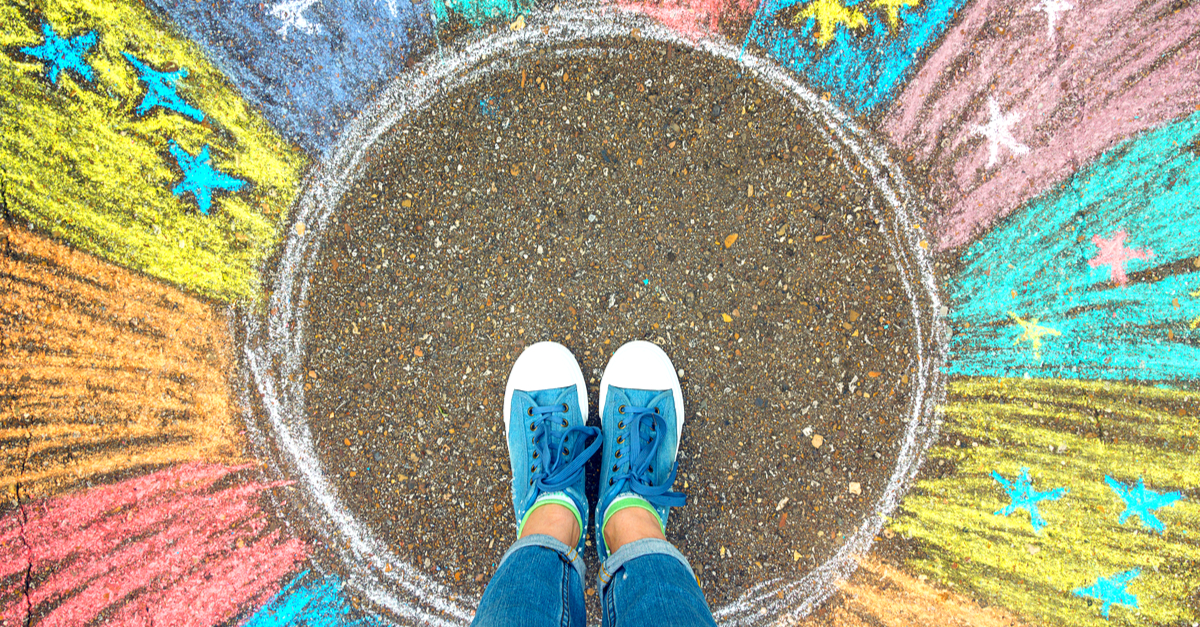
x: 187, y: 545
x: 693, y: 18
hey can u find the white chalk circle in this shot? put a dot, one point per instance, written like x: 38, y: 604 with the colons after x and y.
x: 274, y: 336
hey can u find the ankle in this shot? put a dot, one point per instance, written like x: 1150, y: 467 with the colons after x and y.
x: 553, y: 520
x: 630, y: 525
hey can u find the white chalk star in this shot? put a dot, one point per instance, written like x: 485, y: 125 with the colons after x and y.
x: 998, y: 130
x: 292, y: 14
x: 1052, y: 9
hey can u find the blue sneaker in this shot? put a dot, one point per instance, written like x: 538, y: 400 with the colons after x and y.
x: 641, y: 413
x: 549, y: 443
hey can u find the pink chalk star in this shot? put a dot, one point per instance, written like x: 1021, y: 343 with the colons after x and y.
x: 1112, y: 253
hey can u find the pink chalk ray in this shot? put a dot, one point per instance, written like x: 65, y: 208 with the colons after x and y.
x: 1107, y: 71
x: 187, y: 545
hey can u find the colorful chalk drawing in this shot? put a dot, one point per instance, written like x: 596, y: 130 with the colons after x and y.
x: 275, y: 343
x: 156, y: 156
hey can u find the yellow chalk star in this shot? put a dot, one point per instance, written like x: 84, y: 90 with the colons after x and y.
x: 1033, y: 332
x: 828, y: 14
x: 892, y: 9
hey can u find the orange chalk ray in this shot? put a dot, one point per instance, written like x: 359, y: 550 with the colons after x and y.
x: 104, y: 371
x: 880, y: 595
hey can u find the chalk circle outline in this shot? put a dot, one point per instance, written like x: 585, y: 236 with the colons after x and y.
x: 274, y: 337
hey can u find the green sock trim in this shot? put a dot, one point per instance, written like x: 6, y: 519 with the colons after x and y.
x: 631, y: 500
x: 557, y: 498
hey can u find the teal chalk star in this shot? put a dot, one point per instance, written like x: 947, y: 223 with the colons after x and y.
x: 199, y: 177
x: 63, y: 54
x: 1025, y: 497
x: 1111, y: 590
x: 160, y: 89
x: 1139, y: 501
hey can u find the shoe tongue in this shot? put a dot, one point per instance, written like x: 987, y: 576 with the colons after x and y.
x: 553, y: 396
x: 640, y: 398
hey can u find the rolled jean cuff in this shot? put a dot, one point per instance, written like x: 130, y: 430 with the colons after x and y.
x: 634, y: 550
x: 568, y: 553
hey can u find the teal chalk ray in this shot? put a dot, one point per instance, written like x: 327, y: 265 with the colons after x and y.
x: 477, y: 12
x: 1036, y: 265
x: 310, y: 600
x: 862, y: 70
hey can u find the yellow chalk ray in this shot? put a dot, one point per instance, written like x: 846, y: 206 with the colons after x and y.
x: 829, y: 14
x: 81, y: 164
x: 1068, y: 433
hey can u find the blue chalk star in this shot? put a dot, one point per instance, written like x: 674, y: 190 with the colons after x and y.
x: 160, y: 90
x: 63, y: 54
x: 1111, y: 590
x: 1139, y: 501
x: 1025, y: 497
x: 485, y: 107
x: 200, y: 178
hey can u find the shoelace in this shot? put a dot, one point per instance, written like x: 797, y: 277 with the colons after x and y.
x: 638, y: 468
x: 554, y: 473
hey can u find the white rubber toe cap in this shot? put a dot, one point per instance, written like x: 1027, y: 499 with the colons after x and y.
x: 545, y: 366
x: 642, y: 365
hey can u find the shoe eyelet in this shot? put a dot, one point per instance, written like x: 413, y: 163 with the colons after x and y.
x: 621, y: 409
x: 614, y: 469
x: 533, y: 427
x: 620, y: 439
x: 617, y: 455
x: 610, y: 482
x: 656, y: 410
x: 531, y: 482
x: 565, y: 423
x: 565, y: 408
x: 650, y: 469
x: 529, y: 411
x: 621, y: 425
x: 533, y: 469
x: 535, y: 454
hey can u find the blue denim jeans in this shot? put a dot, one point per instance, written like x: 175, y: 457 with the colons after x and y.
x: 539, y: 583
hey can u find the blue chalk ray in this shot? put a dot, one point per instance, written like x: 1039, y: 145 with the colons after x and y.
x: 199, y: 177
x: 310, y: 600
x: 862, y: 68
x: 1141, y: 502
x: 1111, y: 591
x: 1106, y: 264
x: 60, y: 54
x: 1025, y: 497
x: 160, y: 90
x: 309, y: 65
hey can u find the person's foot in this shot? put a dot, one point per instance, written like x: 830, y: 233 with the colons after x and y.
x: 641, y: 414
x: 549, y: 443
